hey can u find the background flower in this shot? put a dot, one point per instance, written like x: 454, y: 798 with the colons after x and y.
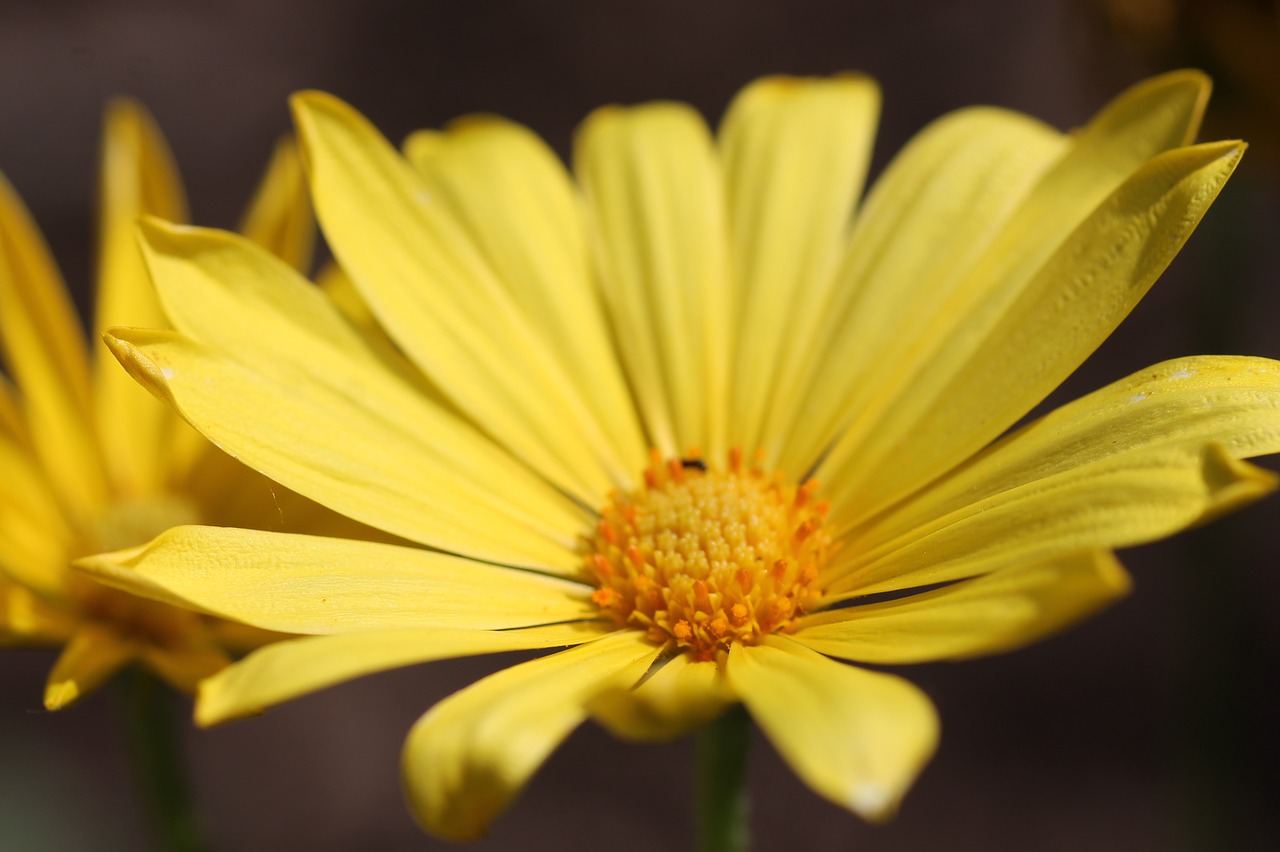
x: 89, y: 463
x: 1082, y: 742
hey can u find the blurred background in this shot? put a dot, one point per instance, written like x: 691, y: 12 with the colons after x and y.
x: 1152, y: 726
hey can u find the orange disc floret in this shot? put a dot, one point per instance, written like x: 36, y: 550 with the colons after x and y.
x: 700, y: 557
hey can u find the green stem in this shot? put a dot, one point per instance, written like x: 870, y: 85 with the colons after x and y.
x: 152, y: 728
x: 722, y: 782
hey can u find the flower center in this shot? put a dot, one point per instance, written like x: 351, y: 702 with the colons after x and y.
x: 701, y: 558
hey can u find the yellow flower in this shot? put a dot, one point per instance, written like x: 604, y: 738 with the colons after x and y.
x: 90, y: 462
x: 644, y: 375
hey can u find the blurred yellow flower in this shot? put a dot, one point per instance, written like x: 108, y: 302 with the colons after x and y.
x: 648, y: 370
x: 92, y: 463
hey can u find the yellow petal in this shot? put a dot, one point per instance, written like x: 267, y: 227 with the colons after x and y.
x: 34, y: 535
x: 337, y: 285
x: 988, y: 373
x: 1175, y: 406
x: 227, y: 493
x: 1135, y: 461
x: 512, y: 196
x: 138, y: 178
x: 184, y: 668
x: 240, y: 639
x: 310, y: 584
x: 656, y: 207
x: 1153, y: 116
x: 1149, y: 119
x: 91, y: 657
x: 207, y: 278
x: 896, y: 316
x: 431, y: 289
x: 44, y: 351
x: 361, y: 434
x: 940, y: 204
x: 32, y: 557
x: 296, y: 667
x: 997, y: 612
x: 856, y: 737
x: 468, y: 758
x: 1139, y: 498
x: 796, y: 153
x: 230, y: 494
x: 675, y: 699
x: 279, y: 217
x: 12, y: 426
x: 26, y: 618
x: 347, y: 446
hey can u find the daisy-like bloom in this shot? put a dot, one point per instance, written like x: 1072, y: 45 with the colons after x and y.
x: 90, y: 461
x: 698, y: 419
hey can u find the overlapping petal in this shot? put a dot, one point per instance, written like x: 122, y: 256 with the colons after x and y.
x: 514, y: 199
x: 677, y: 697
x: 857, y: 737
x: 184, y: 668
x: 657, y: 221
x: 27, y: 619
x: 471, y: 754
x: 997, y: 612
x: 1137, y: 460
x: 353, y: 436
x: 289, y: 669
x: 311, y: 584
x: 32, y: 524
x: 940, y: 204
x: 432, y: 290
x: 396, y: 473
x: 279, y: 217
x: 347, y: 299
x: 1138, y: 499
x: 138, y: 178
x: 795, y: 157
x: 1029, y: 344
x: 12, y: 426
x: 89, y: 461
x: 44, y: 352
x: 91, y: 656
x: 1032, y: 187
x: 982, y: 263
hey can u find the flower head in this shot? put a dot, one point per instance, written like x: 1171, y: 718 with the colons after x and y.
x: 90, y: 462
x: 691, y: 415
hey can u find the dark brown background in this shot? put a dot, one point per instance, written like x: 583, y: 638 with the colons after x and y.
x: 1150, y: 727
